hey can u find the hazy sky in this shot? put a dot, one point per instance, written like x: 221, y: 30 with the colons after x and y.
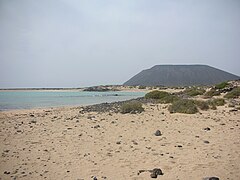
x: 75, y: 43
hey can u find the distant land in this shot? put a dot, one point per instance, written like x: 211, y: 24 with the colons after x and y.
x: 180, y: 75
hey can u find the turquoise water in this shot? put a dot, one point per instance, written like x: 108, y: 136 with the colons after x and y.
x: 39, y: 99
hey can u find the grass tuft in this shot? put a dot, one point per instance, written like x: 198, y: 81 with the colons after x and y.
x: 221, y: 85
x: 131, y: 107
x: 234, y: 93
x: 194, y: 91
x: 156, y: 94
x: 183, y: 106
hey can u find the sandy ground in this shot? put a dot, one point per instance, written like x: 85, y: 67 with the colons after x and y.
x: 65, y: 144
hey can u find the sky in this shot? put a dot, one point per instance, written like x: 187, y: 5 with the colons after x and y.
x: 78, y: 43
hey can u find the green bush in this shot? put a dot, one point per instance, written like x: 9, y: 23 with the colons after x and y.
x: 203, y: 105
x: 156, y: 94
x: 235, y: 93
x: 131, y: 107
x: 211, y: 93
x: 194, y: 91
x: 221, y: 85
x: 218, y: 102
x: 141, y: 87
x: 168, y: 99
x: 183, y: 106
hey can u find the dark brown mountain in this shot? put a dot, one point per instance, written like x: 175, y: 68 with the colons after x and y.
x: 180, y: 75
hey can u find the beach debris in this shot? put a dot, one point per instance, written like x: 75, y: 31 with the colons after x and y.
x: 158, y: 133
x: 211, y: 178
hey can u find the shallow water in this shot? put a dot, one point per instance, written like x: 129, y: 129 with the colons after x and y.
x: 39, y: 99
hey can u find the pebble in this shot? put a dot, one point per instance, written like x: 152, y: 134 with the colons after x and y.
x: 211, y: 178
x: 207, y: 129
x: 158, y: 133
x: 97, y: 126
x: 156, y: 172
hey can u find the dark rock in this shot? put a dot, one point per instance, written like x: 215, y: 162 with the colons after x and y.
x: 118, y: 142
x: 207, y: 129
x: 97, y: 88
x: 6, y: 172
x: 152, y: 175
x: 94, y: 178
x: 233, y: 110
x: 33, y: 121
x: 158, y: 133
x: 97, y: 126
x: 211, y: 178
x: 207, y: 142
x: 155, y: 172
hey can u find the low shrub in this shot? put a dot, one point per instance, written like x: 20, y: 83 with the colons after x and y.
x: 218, y: 102
x: 156, y: 94
x: 169, y: 99
x: 183, y: 106
x: 142, y: 87
x: 203, y: 105
x: 211, y: 93
x: 194, y: 91
x: 132, y: 107
x: 221, y: 85
x: 234, y: 93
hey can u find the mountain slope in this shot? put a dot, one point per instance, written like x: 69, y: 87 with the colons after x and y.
x: 180, y: 75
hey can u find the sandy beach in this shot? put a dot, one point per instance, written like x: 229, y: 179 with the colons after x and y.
x: 66, y: 143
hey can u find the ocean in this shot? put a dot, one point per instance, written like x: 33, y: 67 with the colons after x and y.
x: 10, y: 100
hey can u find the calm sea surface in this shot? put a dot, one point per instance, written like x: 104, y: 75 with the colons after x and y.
x: 39, y: 99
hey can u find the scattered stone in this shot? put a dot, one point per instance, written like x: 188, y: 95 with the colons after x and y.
x: 94, y: 178
x: 118, y: 142
x: 97, y: 126
x: 33, y: 121
x: 6, y: 172
x: 32, y: 115
x: 207, y: 129
x: 135, y: 143
x: 158, y: 133
x: 207, y: 142
x: 211, y: 178
x: 233, y: 110
x: 155, y: 172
